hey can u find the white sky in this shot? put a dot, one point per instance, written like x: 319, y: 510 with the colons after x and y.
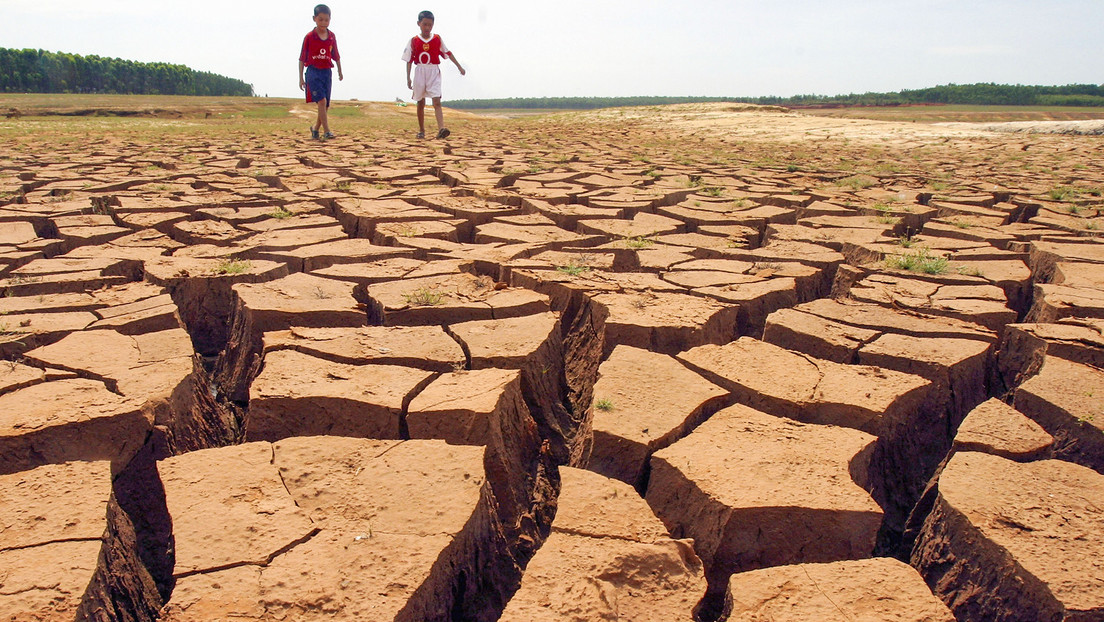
x: 597, y: 47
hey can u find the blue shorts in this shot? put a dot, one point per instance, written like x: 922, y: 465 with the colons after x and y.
x: 319, y: 83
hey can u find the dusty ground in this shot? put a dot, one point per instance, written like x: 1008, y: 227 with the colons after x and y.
x: 669, y: 362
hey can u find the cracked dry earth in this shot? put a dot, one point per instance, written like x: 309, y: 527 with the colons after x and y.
x: 696, y: 363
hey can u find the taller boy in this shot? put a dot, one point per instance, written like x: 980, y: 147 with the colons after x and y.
x: 425, y: 51
x: 318, y: 56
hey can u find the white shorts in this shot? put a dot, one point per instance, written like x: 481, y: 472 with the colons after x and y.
x: 427, y: 81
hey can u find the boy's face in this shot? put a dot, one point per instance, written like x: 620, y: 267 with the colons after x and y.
x: 322, y: 20
x: 426, y: 25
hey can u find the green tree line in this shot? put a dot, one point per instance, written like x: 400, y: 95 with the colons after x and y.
x: 39, y: 71
x: 976, y: 94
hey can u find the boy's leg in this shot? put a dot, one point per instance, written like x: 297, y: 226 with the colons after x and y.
x: 421, y: 116
x: 323, y: 116
x: 439, y: 113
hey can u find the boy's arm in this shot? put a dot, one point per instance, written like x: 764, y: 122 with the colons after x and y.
x: 452, y: 57
x: 340, y: 75
x: 302, y: 82
x: 409, y: 84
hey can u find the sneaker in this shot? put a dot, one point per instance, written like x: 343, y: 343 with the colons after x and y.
x: 328, y: 135
x: 443, y: 133
x: 314, y: 133
x: 420, y: 135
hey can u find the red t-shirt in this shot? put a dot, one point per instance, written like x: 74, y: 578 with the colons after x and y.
x: 318, y: 52
x: 422, y: 52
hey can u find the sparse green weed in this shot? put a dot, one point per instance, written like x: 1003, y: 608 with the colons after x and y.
x: 919, y: 261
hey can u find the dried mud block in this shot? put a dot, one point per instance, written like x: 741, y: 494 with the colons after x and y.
x: 319, y: 528
x: 992, y: 428
x: 1055, y: 302
x: 755, y: 300
x: 299, y: 395
x: 300, y: 299
x: 314, y: 257
x: 816, y: 336
x: 422, y: 347
x: 201, y: 289
x: 144, y: 316
x: 1046, y: 256
x: 212, y: 232
x: 486, y: 407
x: 155, y: 368
x: 998, y: 429
x: 20, y: 332
x: 868, y: 590
x: 790, y: 384
x: 607, y: 558
x: 74, y: 419
x: 980, y: 303
x: 879, y: 318
x: 666, y: 322
x: 644, y: 401
x: 1067, y: 399
x: 900, y: 409
x: 449, y: 298
x: 754, y: 490
x: 542, y: 237
x: 1024, y: 347
x: 53, y: 519
x: 463, y: 407
x: 1011, y: 541
x: 536, y: 345
x: 641, y: 225
x: 957, y: 368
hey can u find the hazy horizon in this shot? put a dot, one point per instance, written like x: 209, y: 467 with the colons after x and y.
x: 609, y: 49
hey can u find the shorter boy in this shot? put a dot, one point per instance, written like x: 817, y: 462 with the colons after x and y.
x: 425, y: 51
x: 318, y: 55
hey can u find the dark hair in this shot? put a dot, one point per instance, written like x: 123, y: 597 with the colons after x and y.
x: 424, y: 15
x: 321, y: 9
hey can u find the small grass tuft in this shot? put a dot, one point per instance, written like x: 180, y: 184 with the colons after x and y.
x: 280, y: 213
x: 232, y: 266
x: 919, y: 261
x: 573, y: 268
x: 603, y: 404
x: 638, y: 243
x: 423, y: 297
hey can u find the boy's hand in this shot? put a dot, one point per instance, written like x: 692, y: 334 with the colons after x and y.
x: 302, y: 84
x: 409, y: 84
x: 462, y: 72
x: 340, y: 76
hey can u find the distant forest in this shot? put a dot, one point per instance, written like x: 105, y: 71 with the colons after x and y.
x: 38, y: 71
x: 976, y: 94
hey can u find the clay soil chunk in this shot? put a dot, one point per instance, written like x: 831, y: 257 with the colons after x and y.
x: 51, y: 523
x: 868, y: 590
x: 1024, y: 347
x: 1067, y: 399
x: 754, y: 490
x: 449, y: 298
x: 423, y: 347
x: 1015, y: 541
x: 299, y: 395
x: 996, y: 428
x: 331, y: 528
x: 510, y: 343
x: 653, y: 401
x: 463, y: 407
x: 65, y: 420
x: 607, y: 558
x: 666, y: 322
x: 793, y: 385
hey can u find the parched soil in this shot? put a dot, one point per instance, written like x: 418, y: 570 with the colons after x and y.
x: 698, y: 362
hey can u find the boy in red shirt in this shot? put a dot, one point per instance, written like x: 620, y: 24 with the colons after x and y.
x: 425, y: 51
x: 318, y: 55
